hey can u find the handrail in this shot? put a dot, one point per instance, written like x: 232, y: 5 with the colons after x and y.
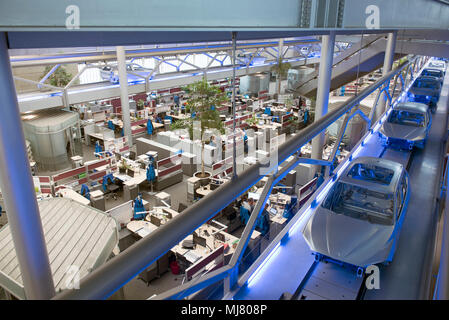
x: 104, y: 281
x: 442, y: 284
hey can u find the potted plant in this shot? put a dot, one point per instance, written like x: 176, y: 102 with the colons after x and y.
x: 202, y: 103
x: 140, y: 104
x: 123, y: 167
x: 281, y: 70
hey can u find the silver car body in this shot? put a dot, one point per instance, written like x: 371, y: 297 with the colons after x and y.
x: 353, y: 240
x: 135, y: 72
x: 441, y: 65
x: 434, y: 72
x: 407, y: 133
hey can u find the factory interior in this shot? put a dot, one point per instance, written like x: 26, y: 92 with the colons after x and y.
x: 298, y: 152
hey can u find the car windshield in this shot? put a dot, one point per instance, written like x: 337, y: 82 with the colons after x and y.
x: 371, y: 173
x: 425, y: 84
x: 407, y: 118
x: 360, y: 203
x: 433, y: 73
x: 436, y: 64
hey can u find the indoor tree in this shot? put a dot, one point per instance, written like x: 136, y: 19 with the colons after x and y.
x: 281, y: 70
x: 202, y: 102
x: 59, y: 78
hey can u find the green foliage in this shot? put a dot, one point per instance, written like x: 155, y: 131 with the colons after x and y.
x: 183, y: 124
x: 251, y: 121
x: 59, y: 78
x: 281, y: 68
x: 202, y: 96
x: 140, y: 104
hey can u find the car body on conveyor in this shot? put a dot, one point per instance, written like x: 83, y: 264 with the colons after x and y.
x: 426, y: 89
x: 135, y: 72
x: 438, y: 64
x: 434, y: 72
x: 360, y: 219
x: 407, y: 126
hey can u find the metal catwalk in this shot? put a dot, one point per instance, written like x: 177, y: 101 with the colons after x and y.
x: 292, y: 263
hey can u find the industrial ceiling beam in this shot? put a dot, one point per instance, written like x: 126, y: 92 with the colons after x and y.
x: 196, y: 15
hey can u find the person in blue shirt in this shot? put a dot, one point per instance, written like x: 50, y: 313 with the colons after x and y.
x: 111, y: 125
x: 306, y: 116
x: 263, y: 222
x: 212, y: 142
x: 245, y: 142
x: 176, y: 101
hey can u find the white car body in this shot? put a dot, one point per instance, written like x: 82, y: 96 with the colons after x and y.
x: 345, y: 236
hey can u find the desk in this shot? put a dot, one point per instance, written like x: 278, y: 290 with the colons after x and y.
x: 71, y: 194
x: 96, y: 136
x: 96, y: 194
x: 160, y: 213
x: 203, y: 190
x: 141, y: 228
x: 131, y: 181
x: 179, y: 116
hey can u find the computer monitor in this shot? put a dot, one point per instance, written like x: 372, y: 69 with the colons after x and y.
x: 273, y: 211
x: 131, y: 173
x: 199, y: 240
x: 220, y: 237
x: 155, y: 220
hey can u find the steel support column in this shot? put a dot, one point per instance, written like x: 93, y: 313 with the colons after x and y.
x: 124, y: 96
x: 278, y: 78
x: 18, y: 190
x: 234, y: 147
x: 388, y: 63
x: 322, y: 97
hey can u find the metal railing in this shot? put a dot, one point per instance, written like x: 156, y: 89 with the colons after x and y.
x: 441, y: 290
x: 107, y: 279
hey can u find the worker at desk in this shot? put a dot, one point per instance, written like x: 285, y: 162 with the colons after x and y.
x: 245, y: 210
x: 245, y: 142
x: 212, y: 142
x: 263, y: 221
x: 139, y: 210
x: 176, y: 101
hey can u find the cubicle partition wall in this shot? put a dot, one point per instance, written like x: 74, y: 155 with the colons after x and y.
x: 199, y: 268
x: 169, y: 171
x: 93, y: 171
x: 306, y: 191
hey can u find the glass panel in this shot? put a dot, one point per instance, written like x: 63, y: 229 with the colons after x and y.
x: 425, y: 84
x: 407, y: 118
